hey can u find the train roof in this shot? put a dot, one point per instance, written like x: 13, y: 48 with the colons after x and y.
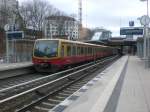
x: 77, y: 42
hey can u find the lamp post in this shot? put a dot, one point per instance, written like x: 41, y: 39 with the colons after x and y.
x: 7, y: 48
x: 145, y: 20
x: 6, y: 28
x: 147, y: 6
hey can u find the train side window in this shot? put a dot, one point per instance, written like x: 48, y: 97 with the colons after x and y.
x: 92, y: 51
x: 101, y: 49
x: 82, y: 50
x: 68, y: 51
x: 104, y: 50
x: 96, y: 50
x: 88, y: 51
x: 85, y: 50
x: 74, y: 50
x: 62, y: 51
x: 78, y: 50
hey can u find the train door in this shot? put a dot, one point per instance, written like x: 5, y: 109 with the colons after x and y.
x: 69, y: 52
x: 63, y: 51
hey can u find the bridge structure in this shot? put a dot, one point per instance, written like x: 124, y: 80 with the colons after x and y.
x: 126, y: 45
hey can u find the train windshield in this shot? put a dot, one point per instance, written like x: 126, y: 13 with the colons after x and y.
x: 46, y: 48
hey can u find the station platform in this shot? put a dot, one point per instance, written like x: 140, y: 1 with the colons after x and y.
x: 123, y: 87
x: 7, y: 66
x: 94, y: 95
x: 135, y: 93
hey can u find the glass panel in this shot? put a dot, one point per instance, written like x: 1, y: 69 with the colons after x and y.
x: 46, y: 48
x: 62, y: 50
x: 68, y: 51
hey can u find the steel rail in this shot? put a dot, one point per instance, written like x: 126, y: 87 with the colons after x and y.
x: 26, y: 107
x: 43, y: 78
x: 52, y: 82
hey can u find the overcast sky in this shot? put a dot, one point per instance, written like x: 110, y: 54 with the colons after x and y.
x: 109, y: 14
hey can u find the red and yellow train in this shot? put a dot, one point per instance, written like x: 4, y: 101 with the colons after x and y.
x: 50, y: 55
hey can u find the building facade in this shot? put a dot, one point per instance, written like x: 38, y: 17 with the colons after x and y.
x: 61, y: 25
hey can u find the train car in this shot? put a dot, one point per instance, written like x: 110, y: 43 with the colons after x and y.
x: 51, y: 55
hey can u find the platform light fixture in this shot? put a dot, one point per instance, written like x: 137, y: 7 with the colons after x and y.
x: 146, y: 20
x: 147, y: 5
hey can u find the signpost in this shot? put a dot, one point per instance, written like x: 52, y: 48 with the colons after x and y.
x: 145, y: 20
x: 6, y: 28
x: 131, y: 31
x: 15, y: 35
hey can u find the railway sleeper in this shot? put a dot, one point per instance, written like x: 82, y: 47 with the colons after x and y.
x: 53, y: 103
x: 74, y: 87
x: 67, y: 92
x: 48, y: 104
x: 40, y: 109
x: 44, y: 90
x: 77, y: 85
x: 63, y: 94
x: 60, y: 98
x: 54, y: 100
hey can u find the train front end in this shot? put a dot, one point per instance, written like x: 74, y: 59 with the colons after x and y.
x: 45, y: 55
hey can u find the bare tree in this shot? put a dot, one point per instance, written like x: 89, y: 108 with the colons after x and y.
x: 5, y: 15
x: 34, y: 13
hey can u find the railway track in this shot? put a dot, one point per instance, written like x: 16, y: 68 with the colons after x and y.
x: 16, y: 85
x: 41, y: 94
x: 51, y: 101
x: 12, y: 81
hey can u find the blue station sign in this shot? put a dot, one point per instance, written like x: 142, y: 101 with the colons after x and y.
x: 14, y: 35
x: 131, y: 31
